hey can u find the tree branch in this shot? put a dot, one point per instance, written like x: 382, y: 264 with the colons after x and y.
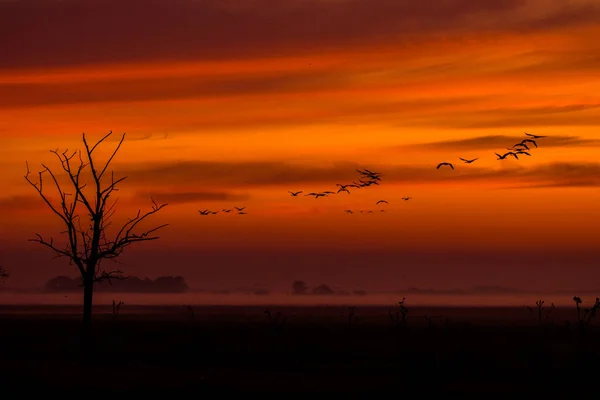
x: 88, y: 243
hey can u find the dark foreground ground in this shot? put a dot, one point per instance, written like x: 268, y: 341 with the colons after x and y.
x: 231, y: 350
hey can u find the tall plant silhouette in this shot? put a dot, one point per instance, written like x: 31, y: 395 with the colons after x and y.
x: 86, y: 214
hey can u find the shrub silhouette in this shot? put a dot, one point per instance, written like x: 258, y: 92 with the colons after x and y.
x: 584, y: 320
x: 399, y: 315
x: 299, y: 287
x: 116, y: 307
x: 3, y: 274
x: 538, y: 315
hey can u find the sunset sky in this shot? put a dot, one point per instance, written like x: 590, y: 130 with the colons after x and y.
x: 234, y: 102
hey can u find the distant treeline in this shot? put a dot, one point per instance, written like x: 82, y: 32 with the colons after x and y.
x: 301, y: 288
x: 132, y: 284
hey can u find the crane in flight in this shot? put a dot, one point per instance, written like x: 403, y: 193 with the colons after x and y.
x: 445, y: 163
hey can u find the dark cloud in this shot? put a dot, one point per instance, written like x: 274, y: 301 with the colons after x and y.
x: 20, y: 203
x: 560, y: 184
x: 586, y: 13
x: 70, y: 32
x: 190, y: 197
x: 35, y: 94
x: 246, y: 174
x: 491, y: 142
x: 571, y: 115
x: 139, y: 137
x: 475, y: 290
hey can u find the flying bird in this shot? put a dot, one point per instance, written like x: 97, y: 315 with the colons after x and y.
x: 468, y: 161
x: 382, y: 201
x: 205, y: 212
x: 227, y: 211
x: 406, y: 198
x: 295, y: 193
x: 517, y: 147
x: 343, y: 188
x: 370, y: 174
x: 241, y: 213
x: 503, y: 157
x: 348, y: 211
x: 535, y: 136
x: 529, y: 141
x: 239, y: 208
x: 445, y: 163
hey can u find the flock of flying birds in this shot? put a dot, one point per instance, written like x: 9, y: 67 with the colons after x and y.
x: 520, y: 148
x: 368, y: 178
x: 240, y: 211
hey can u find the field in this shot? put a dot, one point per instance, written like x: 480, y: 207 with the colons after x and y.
x: 171, y: 349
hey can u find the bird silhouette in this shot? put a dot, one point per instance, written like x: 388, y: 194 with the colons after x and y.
x: 468, y: 161
x: 205, y: 212
x: 343, y: 189
x: 518, y: 147
x: 503, y: 157
x: 529, y: 141
x: 295, y: 193
x: 382, y: 201
x: 227, y: 210
x: 242, y: 213
x: 406, y: 198
x: 369, y: 174
x: 348, y: 211
x: 445, y: 163
x: 239, y: 208
x: 535, y: 136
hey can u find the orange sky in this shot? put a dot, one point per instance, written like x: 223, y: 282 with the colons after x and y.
x: 236, y: 102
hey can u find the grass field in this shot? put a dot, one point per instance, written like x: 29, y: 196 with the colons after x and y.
x: 307, y: 350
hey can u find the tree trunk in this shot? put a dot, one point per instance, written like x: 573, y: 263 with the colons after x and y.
x: 87, y: 343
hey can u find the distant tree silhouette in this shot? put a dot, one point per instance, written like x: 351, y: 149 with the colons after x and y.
x: 133, y: 284
x: 299, y: 287
x: 322, y: 289
x: 3, y: 273
x: 86, y: 214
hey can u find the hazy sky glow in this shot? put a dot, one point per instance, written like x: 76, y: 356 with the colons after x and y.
x: 235, y: 102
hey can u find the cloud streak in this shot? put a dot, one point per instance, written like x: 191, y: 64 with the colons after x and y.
x: 20, y: 203
x: 260, y: 174
x: 119, y: 90
x: 71, y: 32
x: 490, y: 142
x: 190, y: 197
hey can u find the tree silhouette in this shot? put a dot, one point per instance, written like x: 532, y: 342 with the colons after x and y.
x: 299, y: 287
x: 86, y: 214
x: 3, y: 273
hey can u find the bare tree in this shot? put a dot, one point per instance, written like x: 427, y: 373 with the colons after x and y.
x: 87, y: 239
